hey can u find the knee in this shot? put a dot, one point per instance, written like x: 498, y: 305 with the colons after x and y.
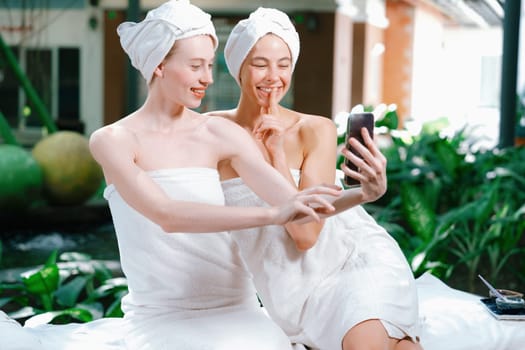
x: 367, y: 335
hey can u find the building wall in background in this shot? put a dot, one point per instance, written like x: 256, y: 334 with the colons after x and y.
x: 427, y: 80
x: 115, y: 64
x: 314, y: 71
x: 398, y: 56
x: 343, y: 60
x: 69, y: 28
x: 384, y: 51
x: 471, y: 80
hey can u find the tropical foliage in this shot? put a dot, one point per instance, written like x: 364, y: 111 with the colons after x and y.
x: 75, y: 289
x: 457, y: 210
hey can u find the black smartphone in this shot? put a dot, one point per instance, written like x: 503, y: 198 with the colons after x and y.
x: 357, y: 121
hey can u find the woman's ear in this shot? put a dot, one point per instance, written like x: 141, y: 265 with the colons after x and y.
x: 159, y: 71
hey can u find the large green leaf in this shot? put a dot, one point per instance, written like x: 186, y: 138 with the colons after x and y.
x: 68, y: 293
x: 42, y: 281
x: 419, y: 215
x: 52, y: 259
x: 447, y: 158
x: 115, y: 309
x: 390, y: 120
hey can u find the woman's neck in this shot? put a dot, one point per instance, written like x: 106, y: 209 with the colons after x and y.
x: 162, y: 113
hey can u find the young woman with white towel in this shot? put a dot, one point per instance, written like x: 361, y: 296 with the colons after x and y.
x: 347, y: 285
x: 187, y: 291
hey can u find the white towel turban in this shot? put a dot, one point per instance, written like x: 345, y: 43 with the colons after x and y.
x: 248, y: 31
x: 148, y: 42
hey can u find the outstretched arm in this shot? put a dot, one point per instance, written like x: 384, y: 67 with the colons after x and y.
x: 308, y: 141
x: 316, y: 137
x: 115, y: 149
x: 372, y: 176
x: 247, y: 161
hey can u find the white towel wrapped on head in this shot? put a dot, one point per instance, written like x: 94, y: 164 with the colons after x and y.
x: 148, y: 42
x: 248, y: 31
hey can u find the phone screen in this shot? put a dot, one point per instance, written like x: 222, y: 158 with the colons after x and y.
x: 356, y: 121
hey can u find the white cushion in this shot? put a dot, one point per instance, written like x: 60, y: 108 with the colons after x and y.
x: 451, y: 320
x: 14, y: 337
x: 456, y: 320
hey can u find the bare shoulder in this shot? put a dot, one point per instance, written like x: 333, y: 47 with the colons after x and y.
x: 222, y: 126
x: 226, y: 137
x: 112, y: 132
x: 311, y: 123
x: 111, y: 136
x: 228, y: 114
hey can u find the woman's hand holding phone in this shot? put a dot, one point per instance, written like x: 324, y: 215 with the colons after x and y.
x: 365, y: 165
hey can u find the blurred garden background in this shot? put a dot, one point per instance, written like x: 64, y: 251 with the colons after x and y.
x: 445, y: 80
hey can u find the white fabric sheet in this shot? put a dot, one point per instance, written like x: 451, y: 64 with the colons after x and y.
x: 451, y: 320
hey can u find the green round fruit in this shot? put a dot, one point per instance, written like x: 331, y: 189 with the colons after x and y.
x: 20, y: 178
x: 71, y: 175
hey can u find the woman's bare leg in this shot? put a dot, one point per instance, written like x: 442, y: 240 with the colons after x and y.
x: 371, y: 335
x: 367, y: 335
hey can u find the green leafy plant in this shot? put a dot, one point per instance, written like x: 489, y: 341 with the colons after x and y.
x: 75, y: 289
x: 455, y: 210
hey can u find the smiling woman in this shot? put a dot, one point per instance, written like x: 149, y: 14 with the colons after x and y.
x: 160, y: 165
x: 336, y: 284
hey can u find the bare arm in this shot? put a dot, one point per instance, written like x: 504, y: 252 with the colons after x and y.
x: 313, y: 135
x: 320, y: 146
x: 315, y: 139
x: 115, y: 148
x: 372, y: 176
x: 249, y: 163
x: 318, y: 136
